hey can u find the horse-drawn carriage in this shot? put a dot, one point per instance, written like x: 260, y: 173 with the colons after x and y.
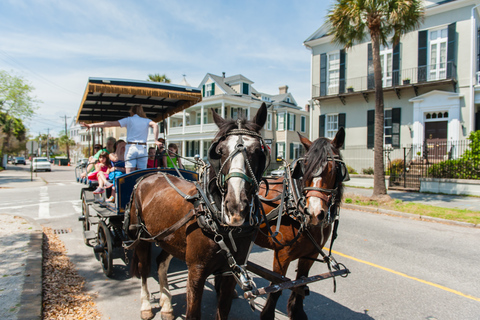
x: 211, y: 218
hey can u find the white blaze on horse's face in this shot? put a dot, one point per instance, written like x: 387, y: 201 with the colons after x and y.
x: 316, y: 206
x: 237, y: 204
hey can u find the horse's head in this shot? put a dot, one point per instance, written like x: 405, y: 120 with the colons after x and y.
x: 323, y: 174
x: 238, y: 156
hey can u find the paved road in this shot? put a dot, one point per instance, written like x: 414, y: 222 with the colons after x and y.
x: 401, y: 268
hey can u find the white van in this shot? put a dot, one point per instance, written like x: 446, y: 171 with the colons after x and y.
x: 41, y: 163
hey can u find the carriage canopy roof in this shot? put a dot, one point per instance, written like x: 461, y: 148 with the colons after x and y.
x: 107, y: 99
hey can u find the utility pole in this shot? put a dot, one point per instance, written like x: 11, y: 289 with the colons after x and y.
x: 48, y: 137
x: 67, y: 139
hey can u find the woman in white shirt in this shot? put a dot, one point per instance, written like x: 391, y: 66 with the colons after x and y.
x: 136, y: 151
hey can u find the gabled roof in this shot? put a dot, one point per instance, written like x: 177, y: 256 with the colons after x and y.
x: 237, y: 78
x: 218, y: 81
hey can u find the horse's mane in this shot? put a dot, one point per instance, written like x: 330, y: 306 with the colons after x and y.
x: 231, y: 124
x: 317, y: 156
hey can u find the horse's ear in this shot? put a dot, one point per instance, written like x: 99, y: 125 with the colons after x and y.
x: 261, y: 116
x: 339, y: 139
x: 306, y: 143
x: 219, y: 121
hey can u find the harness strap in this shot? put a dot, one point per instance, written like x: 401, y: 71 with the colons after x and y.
x: 165, y: 233
x: 185, y: 196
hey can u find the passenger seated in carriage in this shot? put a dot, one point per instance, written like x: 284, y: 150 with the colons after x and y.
x: 151, y: 158
x: 118, y: 162
x: 98, y: 149
x: 102, y: 169
x: 173, y: 160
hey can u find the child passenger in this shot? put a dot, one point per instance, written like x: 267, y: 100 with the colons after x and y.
x: 102, y: 169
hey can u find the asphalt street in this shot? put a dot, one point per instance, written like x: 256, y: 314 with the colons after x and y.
x: 401, y: 268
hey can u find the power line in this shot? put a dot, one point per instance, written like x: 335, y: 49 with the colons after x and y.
x: 24, y: 68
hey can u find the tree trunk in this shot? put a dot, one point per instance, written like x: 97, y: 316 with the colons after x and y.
x: 379, y: 188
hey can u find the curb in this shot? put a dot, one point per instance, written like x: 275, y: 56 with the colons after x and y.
x: 407, y: 215
x: 31, y: 297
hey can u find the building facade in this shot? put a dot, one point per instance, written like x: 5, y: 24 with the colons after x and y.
x: 430, y: 80
x: 231, y: 97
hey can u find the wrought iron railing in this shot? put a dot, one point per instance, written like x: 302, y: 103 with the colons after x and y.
x: 404, y: 77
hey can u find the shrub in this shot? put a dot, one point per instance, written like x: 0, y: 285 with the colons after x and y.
x: 396, y: 167
x: 351, y: 170
x: 467, y: 167
x: 367, y: 170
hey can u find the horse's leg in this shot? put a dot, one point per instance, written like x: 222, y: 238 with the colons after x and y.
x: 195, y: 284
x: 165, y: 300
x: 295, y: 302
x: 142, y: 261
x: 280, y: 266
x: 225, y: 287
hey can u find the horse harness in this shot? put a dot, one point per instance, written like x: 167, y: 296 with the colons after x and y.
x: 206, y: 211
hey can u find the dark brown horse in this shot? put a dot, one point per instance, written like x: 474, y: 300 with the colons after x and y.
x: 320, y: 182
x: 238, y: 158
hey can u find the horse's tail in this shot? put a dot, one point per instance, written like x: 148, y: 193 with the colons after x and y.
x: 141, y: 260
x: 141, y: 254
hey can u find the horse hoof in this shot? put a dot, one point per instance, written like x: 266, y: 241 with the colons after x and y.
x: 147, y: 314
x: 167, y: 316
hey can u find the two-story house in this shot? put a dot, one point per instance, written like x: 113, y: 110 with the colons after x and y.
x: 431, y: 87
x: 194, y: 129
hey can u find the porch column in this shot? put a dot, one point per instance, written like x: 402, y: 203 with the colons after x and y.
x: 223, y: 109
x: 201, y: 118
x: 184, y: 121
x: 201, y: 149
x: 184, y: 144
x: 249, y: 110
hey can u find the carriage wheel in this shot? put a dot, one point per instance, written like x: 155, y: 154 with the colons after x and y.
x: 86, y: 221
x: 105, y: 256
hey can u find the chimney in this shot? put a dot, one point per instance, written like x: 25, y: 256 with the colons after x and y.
x: 223, y: 75
x: 307, y: 107
x: 283, y: 89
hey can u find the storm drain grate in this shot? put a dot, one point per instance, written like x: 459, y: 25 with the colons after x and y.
x: 62, y: 231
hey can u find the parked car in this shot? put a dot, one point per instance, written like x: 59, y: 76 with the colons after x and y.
x: 19, y: 160
x: 280, y: 172
x: 41, y: 163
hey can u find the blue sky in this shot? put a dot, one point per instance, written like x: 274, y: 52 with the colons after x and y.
x: 57, y: 45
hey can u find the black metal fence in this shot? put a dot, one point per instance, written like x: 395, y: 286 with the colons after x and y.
x: 436, y: 158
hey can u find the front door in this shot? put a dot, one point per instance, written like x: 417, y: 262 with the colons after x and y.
x: 436, y: 139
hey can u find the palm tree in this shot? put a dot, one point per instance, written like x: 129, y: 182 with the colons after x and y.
x: 158, y: 78
x: 385, y: 21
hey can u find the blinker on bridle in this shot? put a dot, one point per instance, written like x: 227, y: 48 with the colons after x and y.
x: 240, y: 148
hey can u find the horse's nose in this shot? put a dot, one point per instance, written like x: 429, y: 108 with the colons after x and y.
x: 236, y: 211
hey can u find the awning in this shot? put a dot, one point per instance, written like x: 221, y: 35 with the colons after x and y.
x: 111, y: 99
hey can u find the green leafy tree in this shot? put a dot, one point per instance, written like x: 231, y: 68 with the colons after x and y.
x: 16, y: 104
x: 64, y: 141
x: 158, y: 78
x: 384, y: 21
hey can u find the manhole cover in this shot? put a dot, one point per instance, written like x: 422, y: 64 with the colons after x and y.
x: 62, y: 231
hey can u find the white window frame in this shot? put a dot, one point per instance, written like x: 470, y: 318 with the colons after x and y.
x: 333, y: 72
x: 386, y: 60
x: 387, y: 116
x: 269, y: 121
x: 208, y: 89
x: 291, y: 122
x: 331, y: 125
x: 437, y: 62
x: 281, y: 121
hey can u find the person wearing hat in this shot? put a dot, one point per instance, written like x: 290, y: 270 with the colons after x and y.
x: 136, y: 152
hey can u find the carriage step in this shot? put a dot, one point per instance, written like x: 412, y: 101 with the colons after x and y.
x: 89, y: 235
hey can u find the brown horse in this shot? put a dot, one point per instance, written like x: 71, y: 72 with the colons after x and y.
x: 216, y: 209
x: 321, y: 184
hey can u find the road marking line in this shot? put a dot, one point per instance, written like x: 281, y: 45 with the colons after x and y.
x: 44, y: 206
x: 407, y: 276
x: 36, y: 204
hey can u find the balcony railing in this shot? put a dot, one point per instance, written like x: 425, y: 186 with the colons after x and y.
x: 413, y: 76
x: 196, y: 128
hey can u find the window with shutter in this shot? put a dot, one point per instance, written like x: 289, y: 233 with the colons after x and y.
x: 370, y: 128
x: 303, y: 123
x: 451, y: 50
x: 422, y: 55
x: 321, y: 126
x: 323, y: 74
